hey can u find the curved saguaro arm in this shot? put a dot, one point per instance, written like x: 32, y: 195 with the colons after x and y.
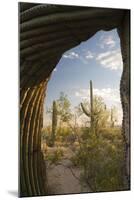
x: 91, y: 112
x: 86, y: 112
x: 46, y: 32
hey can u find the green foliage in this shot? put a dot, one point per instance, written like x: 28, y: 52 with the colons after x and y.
x: 63, y: 107
x: 46, y: 131
x: 101, y: 161
x: 55, y: 156
x: 98, y: 149
x: 50, y: 141
x: 96, y: 111
x: 100, y: 113
x: 63, y: 131
x: 65, y: 135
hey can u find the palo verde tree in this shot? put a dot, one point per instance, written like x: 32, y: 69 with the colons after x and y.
x: 63, y: 108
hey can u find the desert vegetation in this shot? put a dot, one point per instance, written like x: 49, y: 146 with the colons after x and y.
x: 89, y: 151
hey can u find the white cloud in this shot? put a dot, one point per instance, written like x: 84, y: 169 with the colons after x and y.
x: 110, y: 95
x: 83, y: 57
x: 71, y: 55
x: 103, y: 55
x: 89, y: 55
x: 107, y: 41
x: 82, y: 93
x: 77, y: 94
x: 110, y: 59
x: 55, y: 70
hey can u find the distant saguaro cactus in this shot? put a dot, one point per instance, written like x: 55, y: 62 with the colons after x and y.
x: 90, y: 112
x: 54, y: 123
x: 113, y: 117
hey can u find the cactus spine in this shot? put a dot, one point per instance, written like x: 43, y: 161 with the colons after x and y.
x: 54, y: 123
x: 86, y: 112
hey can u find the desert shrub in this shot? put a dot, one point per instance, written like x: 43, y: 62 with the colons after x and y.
x: 46, y: 132
x: 55, y: 156
x: 85, y: 133
x: 101, y: 160
x: 63, y: 131
x: 111, y: 133
x: 49, y: 141
x: 71, y: 138
x: 65, y: 135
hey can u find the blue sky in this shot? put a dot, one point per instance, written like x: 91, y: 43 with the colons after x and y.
x: 97, y: 59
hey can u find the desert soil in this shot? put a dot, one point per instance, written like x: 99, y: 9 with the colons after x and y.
x: 63, y: 177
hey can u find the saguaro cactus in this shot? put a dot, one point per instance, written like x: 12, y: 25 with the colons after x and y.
x: 54, y: 123
x: 112, y: 121
x: 113, y: 117
x: 91, y: 102
x: 90, y: 112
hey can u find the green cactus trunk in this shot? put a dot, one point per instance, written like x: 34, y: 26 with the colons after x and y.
x: 91, y: 103
x: 112, y: 120
x: 54, y: 123
x: 89, y: 113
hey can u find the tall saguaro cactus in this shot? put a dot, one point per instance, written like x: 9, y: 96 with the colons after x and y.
x: 54, y: 123
x: 113, y: 117
x: 90, y: 112
x: 91, y: 102
x: 112, y: 120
